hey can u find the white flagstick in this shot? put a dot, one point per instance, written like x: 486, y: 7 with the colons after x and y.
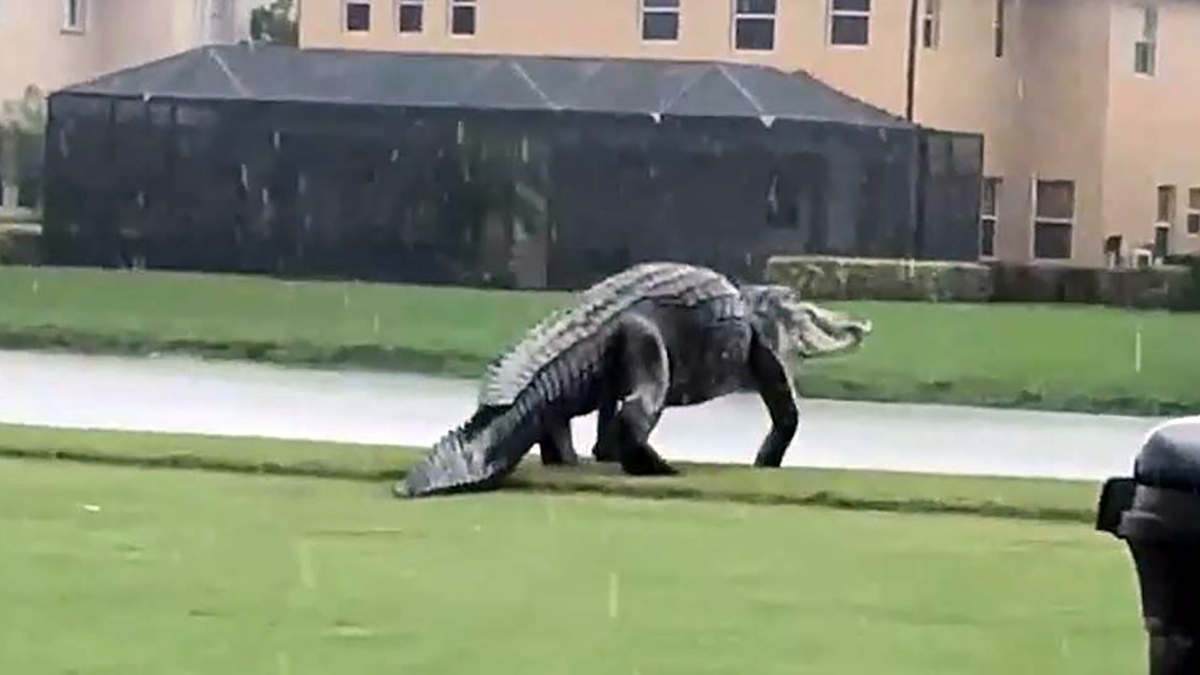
x: 1137, y: 350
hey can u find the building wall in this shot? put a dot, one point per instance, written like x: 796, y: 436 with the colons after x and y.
x: 38, y: 51
x: 1153, y: 133
x: 116, y: 34
x: 1063, y: 60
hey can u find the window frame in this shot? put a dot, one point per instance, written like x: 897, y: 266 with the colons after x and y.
x: 996, y: 183
x: 398, y: 13
x: 999, y: 24
x: 739, y: 16
x: 1193, y: 212
x: 1146, y: 47
x: 79, y: 27
x: 931, y: 25
x: 646, y: 11
x: 832, y: 18
x: 451, y: 7
x: 346, y: 17
x: 1171, y: 203
x: 1038, y: 219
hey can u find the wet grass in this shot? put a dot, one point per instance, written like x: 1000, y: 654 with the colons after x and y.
x: 1029, y: 499
x: 118, y: 570
x: 1037, y: 357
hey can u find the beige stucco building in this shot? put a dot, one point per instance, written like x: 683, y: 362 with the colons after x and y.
x: 1090, y: 108
x: 50, y: 44
x: 54, y: 43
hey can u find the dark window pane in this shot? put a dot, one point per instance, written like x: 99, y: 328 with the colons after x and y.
x: 756, y: 34
x: 850, y: 30
x: 411, y: 18
x: 852, y: 5
x: 660, y: 26
x: 358, y: 16
x: 463, y: 20
x: 990, y: 188
x: 1056, y: 199
x: 756, y: 6
x: 1193, y: 225
x: 650, y: 4
x: 987, y: 238
x: 1144, y: 58
x: 930, y: 24
x: 1162, y: 241
x: 1194, y: 198
x: 999, y: 36
x: 1166, y: 204
x: 1052, y: 241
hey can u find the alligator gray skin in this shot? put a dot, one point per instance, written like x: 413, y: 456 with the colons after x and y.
x: 656, y: 335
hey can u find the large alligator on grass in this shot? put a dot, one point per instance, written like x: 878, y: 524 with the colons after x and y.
x: 656, y: 335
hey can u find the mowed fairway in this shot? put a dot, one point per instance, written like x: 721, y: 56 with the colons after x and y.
x: 193, y: 572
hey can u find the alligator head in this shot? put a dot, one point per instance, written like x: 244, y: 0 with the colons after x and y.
x: 794, y: 325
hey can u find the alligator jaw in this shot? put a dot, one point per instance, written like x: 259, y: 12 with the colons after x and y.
x: 821, y: 332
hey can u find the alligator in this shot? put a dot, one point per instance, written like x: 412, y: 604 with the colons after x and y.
x: 656, y: 335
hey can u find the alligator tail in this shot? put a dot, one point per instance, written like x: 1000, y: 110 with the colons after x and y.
x: 476, y: 455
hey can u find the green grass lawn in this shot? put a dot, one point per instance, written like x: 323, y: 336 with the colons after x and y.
x: 122, y: 570
x: 1033, y: 499
x: 1050, y: 357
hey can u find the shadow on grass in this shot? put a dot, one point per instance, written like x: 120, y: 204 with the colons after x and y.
x: 1024, y: 499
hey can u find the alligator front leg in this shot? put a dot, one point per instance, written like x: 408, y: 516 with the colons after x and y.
x: 771, y: 379
x: 557, y: 445
x: 644, y: 362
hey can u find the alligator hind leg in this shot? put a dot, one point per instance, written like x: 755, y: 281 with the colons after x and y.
x: 557, y: 446
x: 605, y: 450
x: 645, y: 366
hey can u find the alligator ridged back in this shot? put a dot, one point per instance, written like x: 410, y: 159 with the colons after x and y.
x: 677, y: 283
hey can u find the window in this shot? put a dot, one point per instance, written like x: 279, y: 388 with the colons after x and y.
x: 1166, y: 205
x: 754, y: 24
x: 998, y: 28
x: 358, y: 17
x: 75, y: 15
x: 931, y: 27
x: 462, y: 17
x: 849, y: 22
x: 1193, y: 217
x: 989, y: 213
x: 1054, y: 219
x: 410, y: 16
x: 1145, y: 50
x: 660, y: 20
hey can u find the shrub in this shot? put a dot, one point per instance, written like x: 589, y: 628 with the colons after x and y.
x: 833, y: 278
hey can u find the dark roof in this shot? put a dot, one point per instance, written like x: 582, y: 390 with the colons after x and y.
x: 679, y: 88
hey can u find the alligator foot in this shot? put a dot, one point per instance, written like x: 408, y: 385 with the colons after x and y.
x: 637, y: 457
x: 642, y: 460
x: 605, y: 450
